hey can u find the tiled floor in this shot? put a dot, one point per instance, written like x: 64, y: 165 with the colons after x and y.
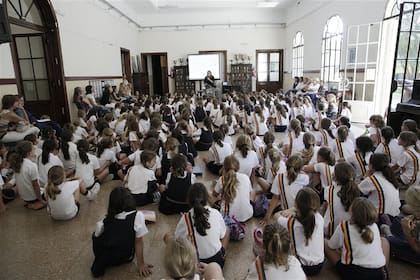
x: 32, y: 246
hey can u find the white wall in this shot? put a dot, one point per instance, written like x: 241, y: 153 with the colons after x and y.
x: 6, y: 64
x: 178, y: 44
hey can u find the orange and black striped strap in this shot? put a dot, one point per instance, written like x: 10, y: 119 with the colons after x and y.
x: 190, y: 228
x: 259, y: 265
x: 290, y: 143
x: 348, y: 258
x: 324, y: 136
x: 380, y: 191
x: 257, y: 126
x: 361, y: 164
x: 216, y: 155
x: 328, y: 175
x: 331, y: 208
x: 387, y: 151
x: 282, y: 192
x: 415, y: 165
x: 290, y: 227
x: 339, y: 148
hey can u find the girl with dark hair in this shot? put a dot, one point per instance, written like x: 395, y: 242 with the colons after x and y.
x: 361, y: 156
x: 68, y: 151
x: 326, y: 137
x: 173, y: 198
x: 26, y: 175
x: 343, y: 147
x: 278, y: 262
x: 409, y: 160
x: 306, y: 228
x: 389, y: 146
x: 47, y: 160
x: 107, y: 156
x: 119, y: 237
x: 258, y: 121
x: 234, y: 189
x: 280, y: 118
x: 294, y: 143
x: 364, y: 254
x: 310, y: 152
x: 217, y: 153
x: 339, y: 196
x: 204, y: 226
x: 246, y: 155
x: 376, y: 123
x: 381, y: 187
x: 206, y: 136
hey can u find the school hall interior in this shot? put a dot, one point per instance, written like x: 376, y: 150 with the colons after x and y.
x: 365, y: 52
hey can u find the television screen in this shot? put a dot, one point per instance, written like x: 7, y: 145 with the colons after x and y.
x: 199, y: 64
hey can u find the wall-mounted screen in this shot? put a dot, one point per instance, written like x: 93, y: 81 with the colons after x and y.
x: 199, y: 64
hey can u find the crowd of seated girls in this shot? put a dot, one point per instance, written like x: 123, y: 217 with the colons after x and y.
x: 321, y: 181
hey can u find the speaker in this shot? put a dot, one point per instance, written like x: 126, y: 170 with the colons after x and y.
x: 416, y: 90
x: 5, y: 36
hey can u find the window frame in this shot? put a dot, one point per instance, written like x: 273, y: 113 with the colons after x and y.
x: 298, y: 54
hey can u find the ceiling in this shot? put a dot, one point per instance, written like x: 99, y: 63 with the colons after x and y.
x: 155, y: 14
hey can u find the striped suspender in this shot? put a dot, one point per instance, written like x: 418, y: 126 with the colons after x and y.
x: 190, y: 228
x: 328, y: 174
x: 259, y: 265
x: 216, y: 155
x: 361, y: 164
x: 282, y: 192
x: 290, y: 227
x: 347, y: 242
x: 415, y: 165
x: 339, y: 148
x: 331, y: 207
x: 324, y: 136
x: 290, y: 143
x: 387, y: 151
x: 380, y: 191
x: 257, y: 126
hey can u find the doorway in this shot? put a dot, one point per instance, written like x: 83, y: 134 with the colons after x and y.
x: 269, y: 70
x: 155, y: 67
x: 37, y: 60
x: 126, y: 64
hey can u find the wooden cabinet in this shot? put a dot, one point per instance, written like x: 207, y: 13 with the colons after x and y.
x: 241, y: 76
x: 141, y: 83
x: 182, y: 84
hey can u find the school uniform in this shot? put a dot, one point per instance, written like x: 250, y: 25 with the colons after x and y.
x: 64, y: 207
x: 392, y: 151
x: 293, y: 272
x: 205, y: 141
x: 218, y: 118
x: 384, y: 195
x: 217, y: 155
x: 43, y: 169
x: 232, y: 125
x: 345, y: 112
x: 69, y: 164
x: 174, y: 199
x: 324, y: 138
x: 318, y: 116
x: 359, y: 260
x: 209, y: 246
x: 271, y: 173
x: 335, y: 212
x: 109, y: 155
x: 409, y: 162
x: 86, y: 171
x: 281, y: 123
x: 248, y: 163
x: 28, y: 173
x: 199, y: 113
x: 144, y: 126
x: 79, y: 133
x: 325, y: 173
x: 240, y: 207
x: 295, y: 143
x: 375, y: 131
x: 138, y: 179
x: 287, y: 191
x: 259, y: 125
x: 311, y: 256
x: 114, y: 240
x: 360, y: 164
x: 343, y: 150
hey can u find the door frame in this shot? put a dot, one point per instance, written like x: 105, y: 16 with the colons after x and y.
x: 54, y: 60
x: 165, y: 78
x: 269, y: 84
x: 126, y: 64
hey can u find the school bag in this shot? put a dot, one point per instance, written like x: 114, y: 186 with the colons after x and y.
x: 261, y: 206
x: 236, y: 228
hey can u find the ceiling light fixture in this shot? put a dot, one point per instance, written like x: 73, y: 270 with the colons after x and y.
x: 267, y: 4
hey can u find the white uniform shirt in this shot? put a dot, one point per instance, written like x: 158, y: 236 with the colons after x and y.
x: 209, y: 244
x: 347, y: 148
x: 137, y: 178
x: 64, y: 207
x: 107, y: 155
x: 313, y: 253
x: 288, y: 192
x: 335, y: 212
x: 368, y: 255
x: 248, y: 163
x: 69, y: 164
x: 240, y: 207
x: 28, y: 173
x: 382, y: 193
x: 297, y: 142
x: 356, y: 160
x: 406, y: 162
x: 395, y: 150
x: 259, y: 125
x: 218, y: 154
x: 325, y: 172
x: 136, y: 158
x: 295, y: 271
x: 43, y: 169
x: 139, y: 223
x: 86, y: 171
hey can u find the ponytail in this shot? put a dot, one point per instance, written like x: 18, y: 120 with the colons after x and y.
x: 326, y: 125
x: 106, y: 142
x: 48, y: 147
x: 83, y: 147
x: 307, y: 203
x: 197, y: 198
x: 66, y: 136
x: 344, y: 176
x: 55, y: 178
x: 379, y: 162
x: 243, y: 144
x: 364, y: 214
x: 218, y: 137
x: 294, y: 164
x: 326, y: 154
x: 229, y: 180
x: 276, y: 242
x: 23, y: 148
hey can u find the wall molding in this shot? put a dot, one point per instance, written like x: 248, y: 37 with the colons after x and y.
x: 87, y: 78
x: 10, y: 81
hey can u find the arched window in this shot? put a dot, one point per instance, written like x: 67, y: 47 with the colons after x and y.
x: 297, y: 57
x: 392, y: 8
x: 332, y: 39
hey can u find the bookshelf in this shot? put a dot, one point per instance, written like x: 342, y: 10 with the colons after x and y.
x: 182, y: 84
x: 241, y: 76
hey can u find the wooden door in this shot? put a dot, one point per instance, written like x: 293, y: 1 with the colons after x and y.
x: 126, y: 64
x: 269, y: 70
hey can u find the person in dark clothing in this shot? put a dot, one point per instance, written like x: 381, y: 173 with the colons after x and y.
x: 206, y: 137
x: 106, y: 94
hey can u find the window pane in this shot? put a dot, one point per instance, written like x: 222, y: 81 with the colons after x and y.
x: 43, y: 90
x: 29, y: 90
x: 358, y: 94
x: 10, y: 11
x: 414, y: 45
x: 33, y: 15
x: 26, y: 69
x: 37, y: 48
x: 361, y: 53
x: 262, y: 57
x: 369, y: 92
x: 40, y: 69
x: 22, y: 46
x: 274, y: 76
x: 274, y: 57
x: 406, y: 18
x: 411, y: 68
x: 262, y: 76
x: 403, y: 44
x: 373, y: 53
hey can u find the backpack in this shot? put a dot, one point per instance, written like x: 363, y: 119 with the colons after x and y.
x: 236, y: 228
x: 261, y: 206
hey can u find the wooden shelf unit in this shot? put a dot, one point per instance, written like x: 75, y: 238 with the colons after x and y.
x: 182, y: 83
x: 241, y: 76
